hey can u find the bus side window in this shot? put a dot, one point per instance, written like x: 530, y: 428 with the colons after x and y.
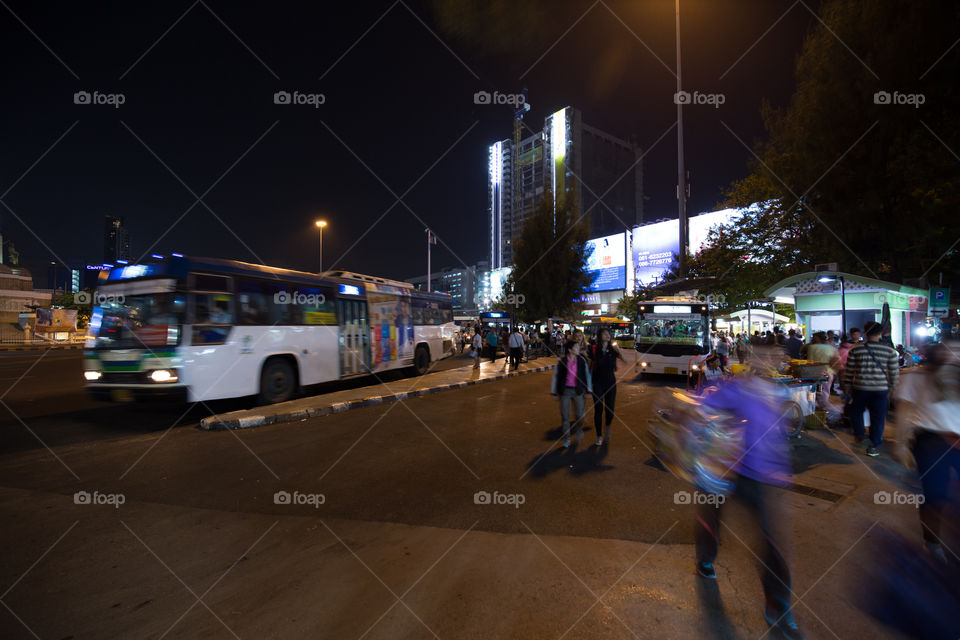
x: 212, y: 317
x: 251, y: 303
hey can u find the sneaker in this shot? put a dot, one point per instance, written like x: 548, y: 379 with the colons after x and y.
x: 872, y: 451
x: 566, y: 443
x: 600, y: 441
x: 784, y: 623
x: 705, y: 569
x: 862, y: 443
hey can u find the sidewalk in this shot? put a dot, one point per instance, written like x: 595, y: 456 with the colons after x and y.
x: 340, y: 401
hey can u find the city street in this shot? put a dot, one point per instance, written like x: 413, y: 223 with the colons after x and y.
x: 388, y: 539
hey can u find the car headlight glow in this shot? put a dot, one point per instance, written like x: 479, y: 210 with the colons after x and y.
x: 163, y: 375
x: 91, y: 376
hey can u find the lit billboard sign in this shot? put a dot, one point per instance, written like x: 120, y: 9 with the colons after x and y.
x: 607, y: 262
x: 654, y: 246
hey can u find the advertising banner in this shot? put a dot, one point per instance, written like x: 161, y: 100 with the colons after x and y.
x: 57, y: 319
x: 391, y: 325
x: 607, y: 263
x: 654, y: 246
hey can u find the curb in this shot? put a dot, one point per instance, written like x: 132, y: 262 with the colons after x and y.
x: 40, y: 347
x: 231, y: 421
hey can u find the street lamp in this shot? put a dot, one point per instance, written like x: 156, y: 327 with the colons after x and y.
x: 320, y: 225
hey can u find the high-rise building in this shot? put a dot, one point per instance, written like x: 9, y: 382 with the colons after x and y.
x: 566, y: 159
x: 460, y: 282
x: 116, y: 240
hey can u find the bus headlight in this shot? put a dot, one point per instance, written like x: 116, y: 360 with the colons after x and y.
x: 643, y: 364
x: 163, y: 375
x: 91, y: 376
x: 694, y: 368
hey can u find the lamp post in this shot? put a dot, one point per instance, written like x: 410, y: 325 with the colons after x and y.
x: 320, y: 224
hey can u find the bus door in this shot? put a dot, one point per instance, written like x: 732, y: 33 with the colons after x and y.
x: 354, y: 337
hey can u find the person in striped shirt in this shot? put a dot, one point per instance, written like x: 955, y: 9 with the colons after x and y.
x: 870, y: 375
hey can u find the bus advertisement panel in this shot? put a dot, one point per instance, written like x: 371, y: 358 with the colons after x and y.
x: 607, y: 262
x: 391, y: 325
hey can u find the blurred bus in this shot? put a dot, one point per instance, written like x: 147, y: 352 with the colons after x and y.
x: 203, y: 329
x: 672, y: 332
x: 621, y: 331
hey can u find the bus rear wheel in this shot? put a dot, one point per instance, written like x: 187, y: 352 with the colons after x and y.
x: 421, y: 360
x: 278, y: 381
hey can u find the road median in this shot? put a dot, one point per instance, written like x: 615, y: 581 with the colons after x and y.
x: 347, y: 400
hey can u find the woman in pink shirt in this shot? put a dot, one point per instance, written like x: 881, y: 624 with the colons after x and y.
x: 571, y: 381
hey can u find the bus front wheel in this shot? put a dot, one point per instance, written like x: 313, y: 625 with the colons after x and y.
x: 278, y: 381
x: 421, y: 360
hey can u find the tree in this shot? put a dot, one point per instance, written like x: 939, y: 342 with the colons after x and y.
x: 550, y: 255
x: 857, y: 170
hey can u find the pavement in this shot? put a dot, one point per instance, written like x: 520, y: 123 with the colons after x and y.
x: 453, y: 515
x: 337, y: 402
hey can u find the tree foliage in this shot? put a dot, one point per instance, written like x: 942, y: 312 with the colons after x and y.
x: 844, y: 176
x: 550, y: 255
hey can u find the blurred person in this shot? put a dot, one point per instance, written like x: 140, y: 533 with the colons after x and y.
x: 477, y: 345
x: 723, y: 350
x: 516, y: 345
x: 928, y: 414
x: 741, y: 348
x: 491, y: 344
x: 822, y: 352
x: 793, y: 344
x: 603, y: 363
x: 869, y: 378
x: 754, y: 405
x: 571, y: 380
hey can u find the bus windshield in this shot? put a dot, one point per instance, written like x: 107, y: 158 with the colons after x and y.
x: 673, y: 333
x: 137, y: 321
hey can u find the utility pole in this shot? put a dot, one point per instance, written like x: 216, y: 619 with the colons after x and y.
x: 681, y: 173
x: 431, y: 240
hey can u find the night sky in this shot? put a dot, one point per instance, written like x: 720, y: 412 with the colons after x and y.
x: 199, y: 120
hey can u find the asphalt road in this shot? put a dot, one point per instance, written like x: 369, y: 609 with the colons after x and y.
x: 46, y: 404
x: 386, y: 493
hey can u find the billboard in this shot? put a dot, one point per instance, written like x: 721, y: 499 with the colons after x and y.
x: 607, y: 262
x: 654, y: 246
x: 56, y: 319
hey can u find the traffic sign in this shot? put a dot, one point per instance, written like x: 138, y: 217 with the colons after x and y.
x: 939, y: 303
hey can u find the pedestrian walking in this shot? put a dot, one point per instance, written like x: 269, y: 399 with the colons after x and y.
x: 603, y: 361
x: 928, y: 413
x: 754, y: 404
x: 491, y: 340
x: 741, y: 348
x: 723, y: 350
x: 822, y: 352
x: 477, y: 345
x: 515, y: 344
x: 793, y: 344
x: 871, y: 375
x: 571, y: 380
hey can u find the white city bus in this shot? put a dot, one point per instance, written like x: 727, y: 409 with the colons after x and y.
x: 204, y: 329
x: 673, y: 333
